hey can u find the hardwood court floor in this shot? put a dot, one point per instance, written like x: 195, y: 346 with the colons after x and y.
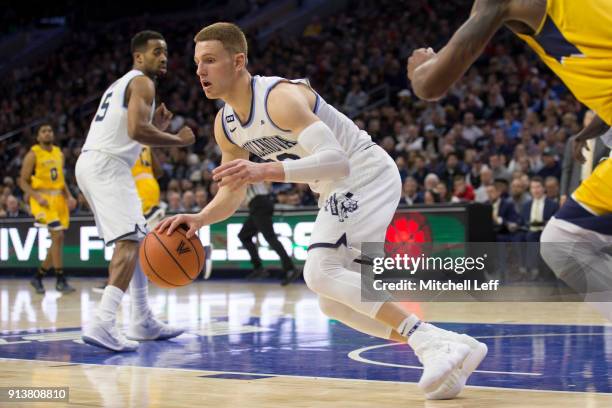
x: 259, y: 345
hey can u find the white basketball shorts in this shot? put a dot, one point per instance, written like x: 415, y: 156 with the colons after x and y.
x: 108, y: 185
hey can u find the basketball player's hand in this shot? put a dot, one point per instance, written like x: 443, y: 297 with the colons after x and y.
x: 40, y: 200
x: 186, y: 136
x: 418, y: 58
x: 193, y: 221
x: 162, y: 118
x: 580, y: 144
x: 72, y: 203
x: 237, y: 173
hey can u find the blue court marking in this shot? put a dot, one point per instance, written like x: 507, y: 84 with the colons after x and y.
x: 232, y: 376
x: 521, y: 356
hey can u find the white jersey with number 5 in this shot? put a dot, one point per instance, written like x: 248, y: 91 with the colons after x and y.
x: 260, y: 136
x: 108, y: 132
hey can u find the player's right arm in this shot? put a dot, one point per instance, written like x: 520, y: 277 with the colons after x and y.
x: 225, y: 203
x: 433, y: 74
x: 141, y: 93
x: 27, y: 170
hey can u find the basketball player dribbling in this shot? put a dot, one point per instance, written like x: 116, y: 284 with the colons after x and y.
x: 305, y: 140
x: 126, y: 119
x: 572, y: 38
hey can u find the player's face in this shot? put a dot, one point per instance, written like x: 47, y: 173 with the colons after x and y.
x: 216, y: 68
x: 155, y: 59
x: 45, y: 135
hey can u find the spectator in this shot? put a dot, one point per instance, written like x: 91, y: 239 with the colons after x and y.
x: 174, y: 202
x: 470, y: 131
x: 410, y: 192
x: 420, y: 170
x: 201, y: 198
x: 552, y: 188
x: 551, y: 165
x: 462, y: 190
x: 12, y: 208
x: 535, y: 214
x: 188, y: 202
x: 500, y: 171
x: 431, y: 181
x: 518, y: 195
x: 505, y: 219
x: 486, y: 179
x: 432, y: 197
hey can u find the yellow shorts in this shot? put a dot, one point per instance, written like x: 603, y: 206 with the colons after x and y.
x: 148, y: 191
x: 55, y: 216
x: 595, y: 192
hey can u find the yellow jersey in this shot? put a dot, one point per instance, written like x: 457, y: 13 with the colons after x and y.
x: 48, y: 170
x: 146, y: 184
x: 575, y: 41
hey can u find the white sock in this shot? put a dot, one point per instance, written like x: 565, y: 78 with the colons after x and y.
x: 111, y: 299
x: 408, y: 326
x: 139, y: 293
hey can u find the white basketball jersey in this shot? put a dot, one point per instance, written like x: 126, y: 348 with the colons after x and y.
x: 261, y: 137
x: 108, y: 132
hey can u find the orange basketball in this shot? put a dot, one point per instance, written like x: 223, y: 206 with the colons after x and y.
x: 170, y: 261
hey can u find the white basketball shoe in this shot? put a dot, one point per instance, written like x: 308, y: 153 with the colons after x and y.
x: 105, y: 334
x: 454, y: 383
x: 149, y: 328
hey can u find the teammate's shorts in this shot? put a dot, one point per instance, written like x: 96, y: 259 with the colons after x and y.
x: 108, y: 185
x: 595, y: 192
x: 55, y: 216
x: 360, y: 207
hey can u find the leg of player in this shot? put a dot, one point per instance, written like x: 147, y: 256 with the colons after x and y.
x: 102, y: 330
x: 582, y: 259
x: 358, y: 321
x: 57, y: 244
x: 42, y: 270
x: 441, y: 352
x: 143, y: 324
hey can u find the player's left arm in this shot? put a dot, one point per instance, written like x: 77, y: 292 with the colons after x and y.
x: 433, y: 74
x: 289, y: 108
x: 72, y: 203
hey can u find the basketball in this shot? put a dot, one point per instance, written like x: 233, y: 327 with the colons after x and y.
x: 170, y: 261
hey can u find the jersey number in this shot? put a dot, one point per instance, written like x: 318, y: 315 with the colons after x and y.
x: 104, y: 107
x: 53, y: 174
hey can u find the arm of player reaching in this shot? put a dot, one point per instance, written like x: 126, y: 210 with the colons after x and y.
x: 289, y: 108
x: 595, y: 128
x: 141, y: 93
x: 225, y: 202
x: 433, y: 74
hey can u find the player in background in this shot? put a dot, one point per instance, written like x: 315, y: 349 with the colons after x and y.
x: 42, y: 179
x: 126, y: 119
x: 146, y: 171
x: 572, y: 38
x: 305, y: 140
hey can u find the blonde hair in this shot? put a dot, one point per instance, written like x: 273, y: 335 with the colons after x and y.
x: 230, y: 35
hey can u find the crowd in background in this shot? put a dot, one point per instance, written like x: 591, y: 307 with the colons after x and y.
x: 498, y: 136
